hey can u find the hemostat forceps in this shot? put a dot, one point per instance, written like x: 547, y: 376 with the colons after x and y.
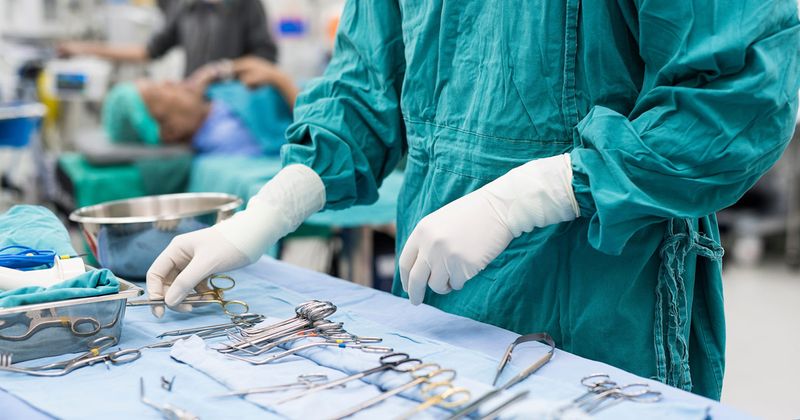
x: 237, y: 321
x: 398, y: 362
x: 602, y: 389
x: 305, y: 381
x: 78, y: 326
x: 217, y: 284
x: 424, y: 373
x: 94, y: 355
x: 335, y: 343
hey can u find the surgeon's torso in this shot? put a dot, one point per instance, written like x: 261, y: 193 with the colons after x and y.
x: 521, y: 70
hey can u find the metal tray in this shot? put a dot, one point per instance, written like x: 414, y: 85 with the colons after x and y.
x: 54, y: 328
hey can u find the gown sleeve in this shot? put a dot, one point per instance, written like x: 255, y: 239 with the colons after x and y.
x: 716, y: 110
x: 348, y: 125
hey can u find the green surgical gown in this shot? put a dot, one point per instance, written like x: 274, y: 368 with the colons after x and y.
x: 670, y: 110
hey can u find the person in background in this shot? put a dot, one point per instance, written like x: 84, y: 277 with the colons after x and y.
x: 211, y: 112
x: 208, y: 30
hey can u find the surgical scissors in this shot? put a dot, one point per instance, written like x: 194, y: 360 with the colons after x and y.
x: 167, y: 410
x: 398, y: 362
x: 94, y: 355
x: 331, y: 343
x: 524, y: 374
x: 445, y: 399
x: 303, y: 381
x: 78, y: 326
x: 423, y: 373
x: 215, y: 294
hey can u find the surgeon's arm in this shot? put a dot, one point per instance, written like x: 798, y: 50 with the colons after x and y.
x: 129, y: 53
x: 716, y: 111
x: 348, y: 124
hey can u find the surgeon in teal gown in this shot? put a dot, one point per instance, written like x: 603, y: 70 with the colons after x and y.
x: 667, y: 110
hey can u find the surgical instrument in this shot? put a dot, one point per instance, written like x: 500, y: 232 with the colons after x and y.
x: 422, y: 373
x: 78, y: 326
x: 602, y: 389
x: 323, y: 328
x: 508, y: 403
x: 334, y: 343
x: 524, y: 374
x: 305, y: 381
x: 167, y: 410
x: 398, y: 362
x: 237, y: 321
x: 94, y: 355
x: 307, y: 314
x: 215, y: 295
x: 445, y: 399
x: 167, y: 383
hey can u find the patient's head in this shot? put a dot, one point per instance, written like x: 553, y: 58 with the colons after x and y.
x: 152, y: 112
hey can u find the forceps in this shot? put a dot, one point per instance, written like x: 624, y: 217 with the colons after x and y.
x: 334, y: 343
x: 306, y: 315
x: 167, y: 410
x: 322, y: 328
x: 78, y: 326
x: 94, y: 355
x: 542, y: 337
x: 424, y: 373
x: 241, y: 321
x: 601, y: 389
x: 218, y: 284
x: 445, y: 399
x: 398, y: 362
x: 303, y: 381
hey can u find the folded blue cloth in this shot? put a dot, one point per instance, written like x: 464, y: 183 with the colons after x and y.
x: 37, y: 227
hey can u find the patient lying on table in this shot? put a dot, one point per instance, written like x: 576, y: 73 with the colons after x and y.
x: 227, y: 118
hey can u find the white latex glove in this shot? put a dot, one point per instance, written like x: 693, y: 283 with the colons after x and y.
x: 294, y: 194
x: 453, y: 244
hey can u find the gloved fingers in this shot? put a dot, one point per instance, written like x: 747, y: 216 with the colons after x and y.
x: 182, y: 307
x: 418, y: 281
x: 165, y: 268
x: 406, y: 260
x: 195, y: 272
x: 439, y: 281
x: 460, y: 273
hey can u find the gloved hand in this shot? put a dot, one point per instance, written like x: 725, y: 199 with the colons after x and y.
x: 453, y: 244
x: 295, y: 193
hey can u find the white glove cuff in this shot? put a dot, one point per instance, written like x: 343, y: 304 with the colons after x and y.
x: 536, y: 194
x: 279, y: 208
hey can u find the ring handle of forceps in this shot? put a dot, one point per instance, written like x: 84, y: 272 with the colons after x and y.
x: 75, y: 323
x: 444, y: 396
x: 227, y: 281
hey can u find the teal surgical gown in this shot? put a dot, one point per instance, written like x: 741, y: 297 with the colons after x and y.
x: 670, y: 110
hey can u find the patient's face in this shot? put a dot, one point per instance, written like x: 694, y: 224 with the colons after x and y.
x: 179, y: 110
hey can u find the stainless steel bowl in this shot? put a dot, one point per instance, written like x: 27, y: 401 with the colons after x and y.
x: 126, y: 236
